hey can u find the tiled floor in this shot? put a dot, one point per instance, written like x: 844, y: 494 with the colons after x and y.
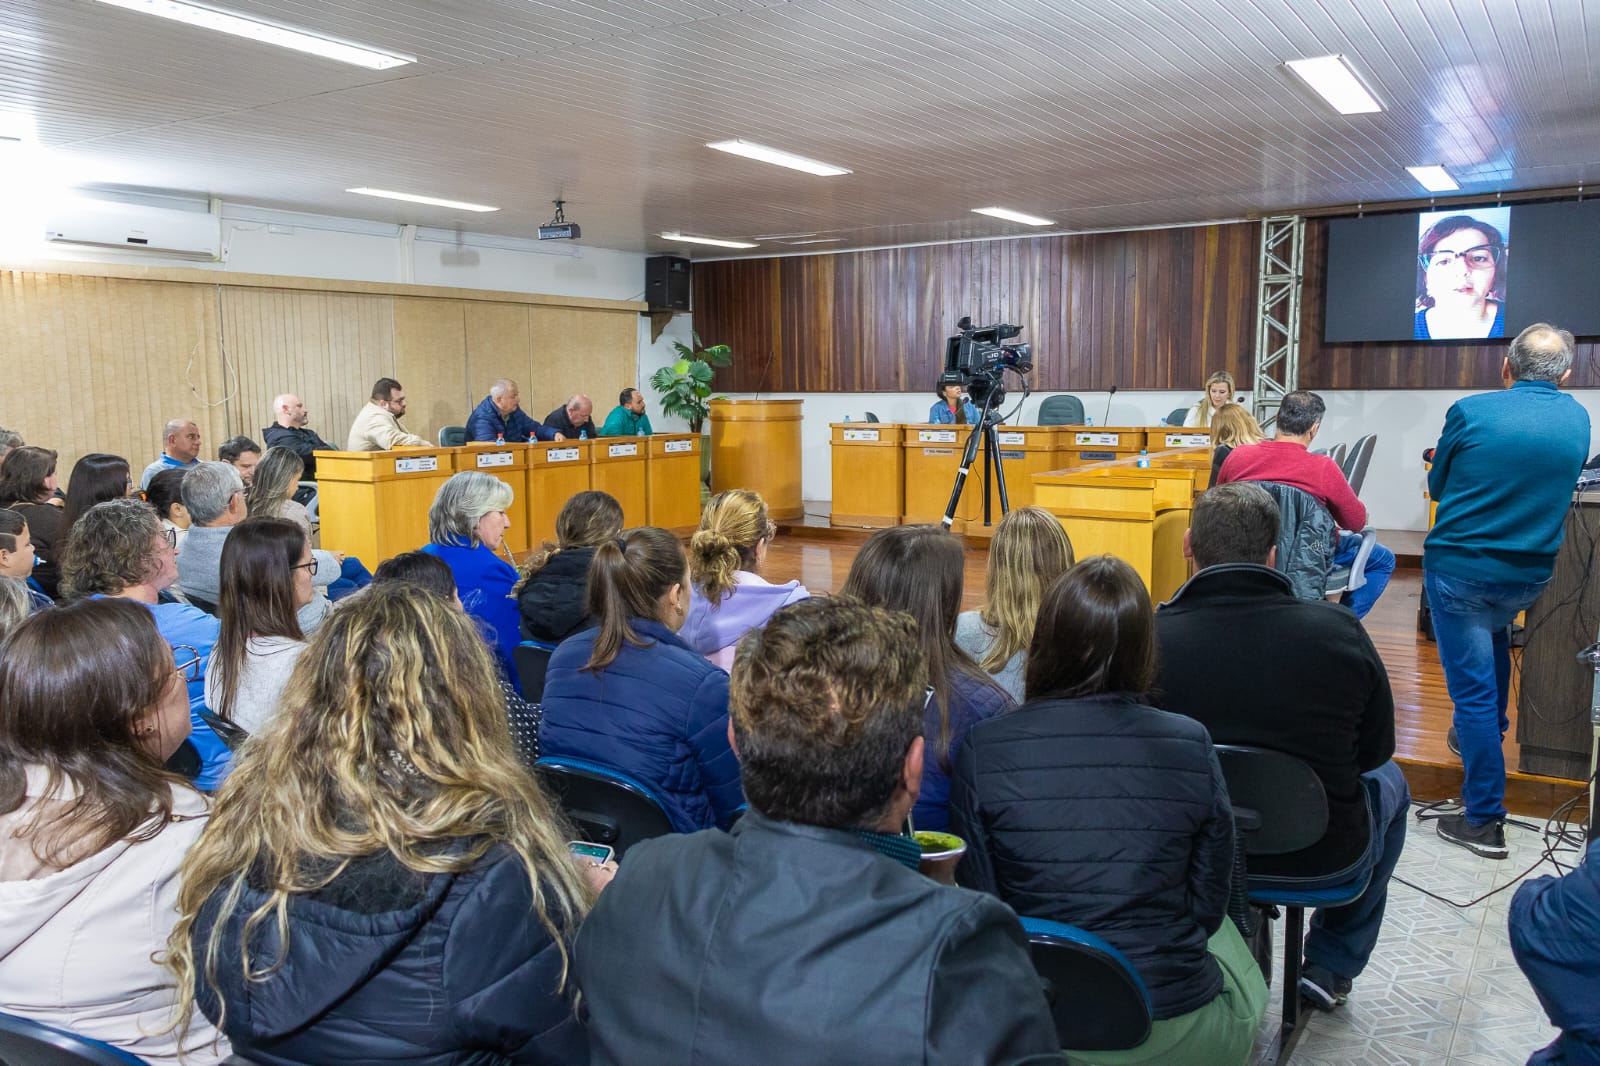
x: 1442, y: 987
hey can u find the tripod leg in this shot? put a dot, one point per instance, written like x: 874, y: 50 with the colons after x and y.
x: 968, y: 454
x: 999, y: 471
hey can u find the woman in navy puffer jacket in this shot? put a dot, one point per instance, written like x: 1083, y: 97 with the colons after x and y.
x: 630, y: 694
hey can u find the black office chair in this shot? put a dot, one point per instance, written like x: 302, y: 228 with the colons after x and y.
x: 532, y: 660
x: 1336, y: 453
x: 1279, y: 807
x: 606, y: 805
x: 1355, y: 467
x: 24, y: 1042
x: 1176, y: 416
x: 871, y: 417
x: 452, y: 436
x: 1098, y: 1001
x: 1061, y: 411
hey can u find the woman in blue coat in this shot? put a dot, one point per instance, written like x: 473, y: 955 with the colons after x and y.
x: 951, y: 409
x: 629, y: 693
x: 467, y: 525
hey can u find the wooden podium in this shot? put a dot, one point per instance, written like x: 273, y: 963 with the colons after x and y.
x: 617, y: 466
x: 1024, y: 451
x: 869, y: 467
x: 374, y: 505
x: 1138, y: 514
x: 507, y: 463
x: 672, y: 480
x: 933, y: 456
x: 556, y: 472
x: 755, y: 445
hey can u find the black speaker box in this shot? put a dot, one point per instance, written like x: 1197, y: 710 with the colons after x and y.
x: 666, y: 282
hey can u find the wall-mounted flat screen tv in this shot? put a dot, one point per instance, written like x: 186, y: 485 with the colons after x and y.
x: 1464, y: 273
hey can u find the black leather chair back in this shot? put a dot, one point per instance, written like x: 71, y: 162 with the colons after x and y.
x: 532, y: 661
x: 606, y: 806
x: 1278, y: 801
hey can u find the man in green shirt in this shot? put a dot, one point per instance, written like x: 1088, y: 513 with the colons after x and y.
x: 627, y: 419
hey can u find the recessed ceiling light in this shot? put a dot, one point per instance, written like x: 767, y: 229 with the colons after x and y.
x: 817, y: 240
x: 715, y: 242
x: 1335, y: 80
x: 265, y: 32
x: 777, y: 157
x: 1012, y: 216
x: 413, y: 198
x: 1434, y: 178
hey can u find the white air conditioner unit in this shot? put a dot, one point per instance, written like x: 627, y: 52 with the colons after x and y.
x: 135, y: 227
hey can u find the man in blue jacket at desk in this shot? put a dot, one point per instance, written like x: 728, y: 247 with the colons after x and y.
x: 500, y: 417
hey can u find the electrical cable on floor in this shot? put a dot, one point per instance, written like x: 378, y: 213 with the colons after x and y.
x: 1565, y: 831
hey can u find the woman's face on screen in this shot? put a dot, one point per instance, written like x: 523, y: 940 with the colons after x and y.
x: 1462, y: 269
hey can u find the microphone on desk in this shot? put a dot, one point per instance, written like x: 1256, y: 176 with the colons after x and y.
x: 760, y: 384
x: 1106, y: 421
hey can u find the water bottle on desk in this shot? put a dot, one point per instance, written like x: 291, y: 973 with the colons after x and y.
x: 500, y: 438
x: 1144, y: 459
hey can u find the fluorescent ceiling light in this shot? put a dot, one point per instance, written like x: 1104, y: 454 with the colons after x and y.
x: 1434, y: 179
x: 1333, y: 79
x: 1012, y: 216
x: 713, y: 241
x: 265, y: 32
x: 777, y: 157
x: 817, y: 240
x: 413, y: 198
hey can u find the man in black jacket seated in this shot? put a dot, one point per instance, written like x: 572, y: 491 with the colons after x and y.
x: 1254, y: 665
x: 806, y: 934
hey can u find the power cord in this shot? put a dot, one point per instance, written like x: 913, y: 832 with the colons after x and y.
x: 1564, y: 832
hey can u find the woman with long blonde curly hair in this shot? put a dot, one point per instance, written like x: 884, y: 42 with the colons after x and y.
x: 728, y: 596
x: 1029, y: 551
x: 382, y: 880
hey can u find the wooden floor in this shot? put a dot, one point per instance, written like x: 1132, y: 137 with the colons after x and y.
x: 820, y: 558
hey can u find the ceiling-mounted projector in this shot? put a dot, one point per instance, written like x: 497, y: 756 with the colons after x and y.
x: 558, y: 228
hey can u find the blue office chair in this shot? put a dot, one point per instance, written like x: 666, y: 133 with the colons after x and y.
x: 607, y: 805
x: 452, y: 436
x: 1279, y: 807
x: 24, y: 1042
x: 1098, y: 1001
x: 532, y: 660
x: 1061, y: 411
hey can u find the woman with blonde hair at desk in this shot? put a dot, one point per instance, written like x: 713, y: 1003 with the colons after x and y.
x: 1029, y: 551
x: 1232, y: 427
x: 1219, y: 389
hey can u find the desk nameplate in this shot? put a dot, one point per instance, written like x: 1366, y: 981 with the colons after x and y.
x: 422, y: 464
x: 618, y: 450
x: 936, y: 436
x: 1104, y: 440
x: 860, y: 434
x: 562, y: 455
x: 1188, y: 440
x: 675, y: 446
x: 488, y: 459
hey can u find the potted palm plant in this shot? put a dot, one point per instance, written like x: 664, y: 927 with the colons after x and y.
x: 685, y: 386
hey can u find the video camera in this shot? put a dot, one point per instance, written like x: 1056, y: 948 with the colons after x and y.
x: 976, y: 357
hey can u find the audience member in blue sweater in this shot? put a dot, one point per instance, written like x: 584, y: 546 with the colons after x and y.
x: 729, y: 597
x: 631, y: 694
x: 120, y: 550
x: 1555, y: 936
x: 467, y: 525
x: 1502, y: 475
x: 918, y: 570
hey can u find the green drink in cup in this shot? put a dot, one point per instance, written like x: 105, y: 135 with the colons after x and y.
x: 940, y: 854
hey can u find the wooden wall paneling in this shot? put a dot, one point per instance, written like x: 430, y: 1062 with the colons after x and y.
x: 1402, y: 364
x: 499, y: 345
x: 325, y: 347
x: 430, y: 358
x: 100, y: 364
x: 574, y: 350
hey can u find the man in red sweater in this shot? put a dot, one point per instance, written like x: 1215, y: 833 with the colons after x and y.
x: 1285, y: 459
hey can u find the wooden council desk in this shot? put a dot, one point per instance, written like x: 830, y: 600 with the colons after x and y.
x: 374, y: 505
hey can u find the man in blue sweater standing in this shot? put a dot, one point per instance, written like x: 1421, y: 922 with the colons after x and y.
x: 1503, y: 476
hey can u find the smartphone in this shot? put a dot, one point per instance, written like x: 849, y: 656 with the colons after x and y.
x: 599, y: 854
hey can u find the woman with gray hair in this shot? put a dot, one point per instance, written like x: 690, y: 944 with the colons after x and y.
x: 466, y: 527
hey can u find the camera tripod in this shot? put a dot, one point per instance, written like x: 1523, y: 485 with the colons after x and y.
x: 993, y: 472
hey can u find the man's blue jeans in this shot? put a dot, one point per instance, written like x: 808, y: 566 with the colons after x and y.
x: 1380, y: 565
x: 1342, y: 938
x: 1471, y: 625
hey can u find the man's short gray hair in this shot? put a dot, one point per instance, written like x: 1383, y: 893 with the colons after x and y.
x: 173, y: 428
x: 1541, y: 352
x: 1299, y: 411
x: 207, y: 489
x: 501, y: 387
x: 9, y: 439
x: 460, y: 504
